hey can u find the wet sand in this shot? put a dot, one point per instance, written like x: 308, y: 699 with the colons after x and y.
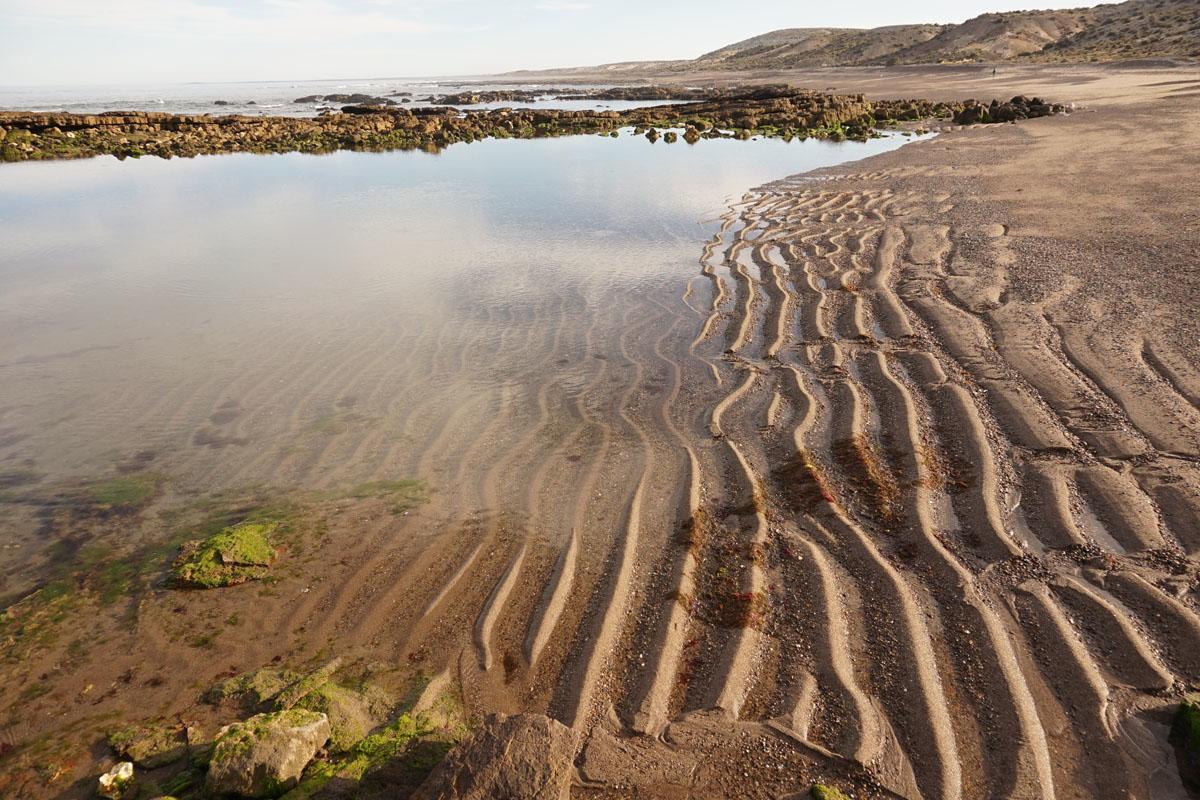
x: 899, y: 491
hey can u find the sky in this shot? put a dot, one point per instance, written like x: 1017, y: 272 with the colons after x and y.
x: 89, y: 42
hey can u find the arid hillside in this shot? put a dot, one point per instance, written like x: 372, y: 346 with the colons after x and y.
x: 1136, y: 29
x: 816, y: 46
x: 1146, y: 29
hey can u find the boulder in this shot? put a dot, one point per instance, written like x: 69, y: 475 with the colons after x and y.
x: 265, y: 755
x: 526, y: 756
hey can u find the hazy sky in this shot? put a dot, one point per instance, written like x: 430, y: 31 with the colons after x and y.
x: 152, y: 41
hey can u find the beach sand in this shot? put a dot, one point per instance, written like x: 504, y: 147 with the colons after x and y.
x: 901, y: 492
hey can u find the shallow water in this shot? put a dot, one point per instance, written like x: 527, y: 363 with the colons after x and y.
x: 274, y: 98
x: 305, y: 320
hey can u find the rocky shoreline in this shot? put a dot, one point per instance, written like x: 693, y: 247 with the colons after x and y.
x: 773, y: 111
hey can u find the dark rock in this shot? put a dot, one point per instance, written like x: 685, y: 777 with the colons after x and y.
x: 356, y: 99
x: 476, y: 98
x: 1185, y: 735
x: 1020, y: 107
x: 370, y: 109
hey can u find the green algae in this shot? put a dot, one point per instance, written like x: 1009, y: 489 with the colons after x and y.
x: 235, y: 555
x: 1185, y: 735
x: 126, y: 493
x: 241, y: 736
x: 822, y: 792
x: 410, y: 745
x: 401, y: 495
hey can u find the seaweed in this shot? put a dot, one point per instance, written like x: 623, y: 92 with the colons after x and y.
x: 235, y: 555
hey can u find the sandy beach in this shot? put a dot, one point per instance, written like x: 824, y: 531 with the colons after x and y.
x: 898, y: 491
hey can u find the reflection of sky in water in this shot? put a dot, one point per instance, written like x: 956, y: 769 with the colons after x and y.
x: 102, y: 251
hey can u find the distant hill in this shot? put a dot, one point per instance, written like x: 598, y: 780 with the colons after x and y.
x: 1134, y: 29
x: 809, y: 46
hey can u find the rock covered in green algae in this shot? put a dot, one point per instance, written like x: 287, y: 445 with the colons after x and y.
x: 265, y: 755
x: 148, y: 746
x: 35, y: 135
x: 352, y: 712
x: 237, y: 554
x: 822, y: 792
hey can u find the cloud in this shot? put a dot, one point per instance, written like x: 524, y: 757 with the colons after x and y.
x: 275, y: 20
x: 562, y: 6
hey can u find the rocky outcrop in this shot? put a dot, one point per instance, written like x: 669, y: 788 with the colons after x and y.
x: 766, y: 111
x: 350, y: 99
x: 265, y: 755
x: 1020, y: 107
x: 477, y: 98
x: 525, y: 756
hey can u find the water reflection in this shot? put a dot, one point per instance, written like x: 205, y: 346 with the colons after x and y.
x: 136, y: 297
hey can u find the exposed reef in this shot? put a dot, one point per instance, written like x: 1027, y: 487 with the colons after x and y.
x: 767, y: 111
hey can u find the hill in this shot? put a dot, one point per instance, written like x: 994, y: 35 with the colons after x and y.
x: 1145, y: 29
x: 1133, y: 29
x: 812, y: 46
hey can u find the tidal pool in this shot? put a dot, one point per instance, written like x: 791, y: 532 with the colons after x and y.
x: 303, y: 320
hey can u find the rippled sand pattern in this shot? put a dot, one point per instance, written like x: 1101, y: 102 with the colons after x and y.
x: 863, y: 505
x: 837, y: 482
